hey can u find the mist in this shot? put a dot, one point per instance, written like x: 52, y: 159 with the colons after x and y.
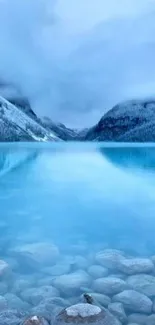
x: 74, y: 60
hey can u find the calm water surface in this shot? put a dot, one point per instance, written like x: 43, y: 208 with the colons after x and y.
x: 78, y: 194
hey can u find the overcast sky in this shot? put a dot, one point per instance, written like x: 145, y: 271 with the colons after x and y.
x: 75, y: 59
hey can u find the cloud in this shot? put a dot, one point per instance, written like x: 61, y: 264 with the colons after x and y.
x: 75, y: 59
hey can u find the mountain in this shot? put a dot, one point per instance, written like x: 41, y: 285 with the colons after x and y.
x: 60, y: 129
x: 16, y: 125
x: 43, y: 129
x: 130, y: 121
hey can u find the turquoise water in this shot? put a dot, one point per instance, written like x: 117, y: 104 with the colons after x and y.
x: 79, y: 199
x: 74, y: 193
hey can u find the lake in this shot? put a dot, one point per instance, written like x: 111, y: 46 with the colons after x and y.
x: 80, y: 198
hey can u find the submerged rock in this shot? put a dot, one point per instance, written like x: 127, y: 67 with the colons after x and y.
x: 136, y: 265
x: 151, y: 320
x: 100, y: 299
x: 97, y: 271
x: 117, y: 309
x: 143, y: 283
x: 22, y: 284
x: 109, y: 285
x: 11, y: 317
x: 35, y: 320
x: 134, y: 301
x: 3, y: 303
x: 35, y: 295
x: 69, y: 284
x: 4, y: 268
x: 86, y: 314
x: 56, y: 270
x: 3, y: 288
x: 110, y: 258
x: 14, y: 302
x: 40, y: 253
x: 138, y: 318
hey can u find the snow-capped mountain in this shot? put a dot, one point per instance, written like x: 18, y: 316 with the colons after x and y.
x: 20, y: 123
x: 60, y: 129
x: 16, y: 125
x: 130, y: 121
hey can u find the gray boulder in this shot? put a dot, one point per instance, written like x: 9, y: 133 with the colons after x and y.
x: 138, y: 318
x: 3, y: 288
x: 110, y: 258
x: 117, y: 309
x: 3, y: 303
x: 150, y: 320
x: 35, y: 295
x: 97, y: 271
x: 133, y: 324
x: 11, y: 317
x: 35, y: 320
x: 86, y: 314
x: 37, y: 253
x: 57, y: 269
x: 100, y: 299
x: 14, y: 302
x: 22, y: 284
x: 136, y: 265
x: 4, y: 268
x: 143, y: 283
x: 134, y: 301
x: 71, y: 283
x: 109, y: 285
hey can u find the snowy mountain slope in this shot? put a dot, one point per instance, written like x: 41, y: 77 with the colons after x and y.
x: 60, y: 129
x: 11, y: 93
x: 15, y: 125
x: 15, y: 97
x: 128, y: 121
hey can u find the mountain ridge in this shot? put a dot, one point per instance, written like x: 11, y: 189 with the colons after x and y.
x: 128, y: 121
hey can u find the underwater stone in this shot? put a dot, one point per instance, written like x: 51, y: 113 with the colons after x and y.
x: 3, y: 288
x: 117, y: 309
x: 97, y: 271
x: 143, y: 283
x: 14, y: 302
x: 46, y: 280
x: 35, y: 295
x: 109, y: 285
x: 138, y: 318
x: 136, y: 265
x: 57, y: 301
x: 71, y: 283
x: 22, y: 284
x: 150, y: 320
x: 134, y: 301
x: 40, y: 310
x: 41, y: 253
x: 101, y: 299
x: 80, y: 262
x: 118, y: 275
x: 56, y: 270
x: 4, y: 268
x: 35, y: 320
x: 110, y: 258
x: 85, y: 314
x: 3, y: 303
x: 10, y: 317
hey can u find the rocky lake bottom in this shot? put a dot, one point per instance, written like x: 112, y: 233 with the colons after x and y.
x: 77, y: 232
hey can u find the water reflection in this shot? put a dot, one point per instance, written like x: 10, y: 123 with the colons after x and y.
x: 74, y: 194
x: 142, y: 158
